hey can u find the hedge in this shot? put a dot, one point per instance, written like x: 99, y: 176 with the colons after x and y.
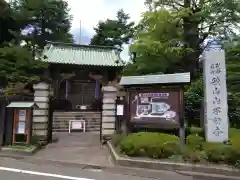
x: 147, y: 144
x: 160, y: 145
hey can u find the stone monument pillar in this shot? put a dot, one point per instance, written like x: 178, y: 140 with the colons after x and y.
x: 215, y: 96
x: 109, y: 111
x: 40, y: 115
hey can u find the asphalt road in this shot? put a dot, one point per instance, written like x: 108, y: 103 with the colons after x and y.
x: 11, y: 169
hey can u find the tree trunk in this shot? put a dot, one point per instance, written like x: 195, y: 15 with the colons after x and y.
x: 191, y: 38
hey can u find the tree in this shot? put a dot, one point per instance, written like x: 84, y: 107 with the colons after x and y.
x: 8, y: 23
x: 42, y: 20
x: 157, y: 45
x: 197, y: 21
x: 233, y: 65
x: 114, y: 32
x: 45, y: 20
x: 17, y: 67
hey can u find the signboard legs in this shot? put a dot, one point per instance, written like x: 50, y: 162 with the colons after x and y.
x: 182, y: 122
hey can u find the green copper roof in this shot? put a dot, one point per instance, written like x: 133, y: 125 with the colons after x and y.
x: 64, y: 53
x: 22, y: 105
x: 178, y: 78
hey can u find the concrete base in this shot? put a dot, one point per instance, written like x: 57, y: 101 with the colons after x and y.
x: 211, y: 172
x: 12, y: 150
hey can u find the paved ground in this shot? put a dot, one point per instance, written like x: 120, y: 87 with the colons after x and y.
x: 18, y: 169
x: 70, y: 157
x: 82, y: 148
x: 77, y: 156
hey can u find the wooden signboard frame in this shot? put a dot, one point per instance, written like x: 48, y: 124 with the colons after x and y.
x: 156, y: 102
x: 22, y: 124
x: 22, y: 121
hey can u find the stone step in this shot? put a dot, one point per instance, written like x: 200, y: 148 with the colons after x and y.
x: 77, y: 117
x: 76, y: 113
x: 66, y: 130
x: 67, y: 122
x: 74, y: 118
x: 66, y: 125
x: 61, y: 120
x: 87, y: 128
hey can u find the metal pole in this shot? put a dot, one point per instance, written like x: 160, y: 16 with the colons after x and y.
x: 80, y: 33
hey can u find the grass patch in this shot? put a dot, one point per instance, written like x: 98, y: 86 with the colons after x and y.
x: 22, y: 147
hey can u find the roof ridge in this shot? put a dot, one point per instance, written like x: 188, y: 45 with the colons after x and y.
x: 80, y: 45
x: 160, y: 74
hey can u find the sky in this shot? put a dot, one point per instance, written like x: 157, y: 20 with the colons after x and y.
x: 90, y: 12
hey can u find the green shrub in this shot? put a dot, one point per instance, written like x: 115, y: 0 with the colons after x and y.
x: 116, y: 139
x: 196, y: 131
x: 35, y: 140
x: 215, y: 152
x: 193, y: 156
x: 234, y: 133
x: 147, y: 144
x: 159, y: 145
x: 195, y: 142
x: 221, y: 153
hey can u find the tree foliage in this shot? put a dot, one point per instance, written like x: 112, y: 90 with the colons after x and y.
x: 26, y: 25
x: 157, y: 44
x: 114, y: 32
x: 233, y: 65
x: 196, y: 23
x: 45, y: 20
x: 17, y: 66
x: 8, y: 23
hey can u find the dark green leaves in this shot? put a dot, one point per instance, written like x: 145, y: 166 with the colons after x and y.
x: 114, y: 32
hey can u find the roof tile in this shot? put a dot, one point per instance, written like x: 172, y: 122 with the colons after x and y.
x: 81, y: 55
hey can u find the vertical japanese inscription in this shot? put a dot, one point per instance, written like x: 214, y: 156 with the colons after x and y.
x: 215, y: 96
x: 215, y: 70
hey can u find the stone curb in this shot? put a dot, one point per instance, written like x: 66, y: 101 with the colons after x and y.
x: 169, y: 166
x: 24, y: 152
x: 208, y: 176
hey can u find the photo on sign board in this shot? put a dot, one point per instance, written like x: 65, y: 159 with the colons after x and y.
x: 158, y: 106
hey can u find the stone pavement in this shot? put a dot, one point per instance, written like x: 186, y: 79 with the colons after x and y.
x: 78, y: 147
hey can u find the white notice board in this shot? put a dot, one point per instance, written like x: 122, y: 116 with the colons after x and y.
x: 120, y: 110
x: 21, y: 128
x: 22, y: 115
x: 77, y: 125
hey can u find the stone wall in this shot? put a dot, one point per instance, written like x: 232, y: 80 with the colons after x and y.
x: 109, y: 111
x: 40, y: 115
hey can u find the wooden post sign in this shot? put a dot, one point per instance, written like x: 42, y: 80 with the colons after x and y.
x: 156, y: 101
x: 22, y: 121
